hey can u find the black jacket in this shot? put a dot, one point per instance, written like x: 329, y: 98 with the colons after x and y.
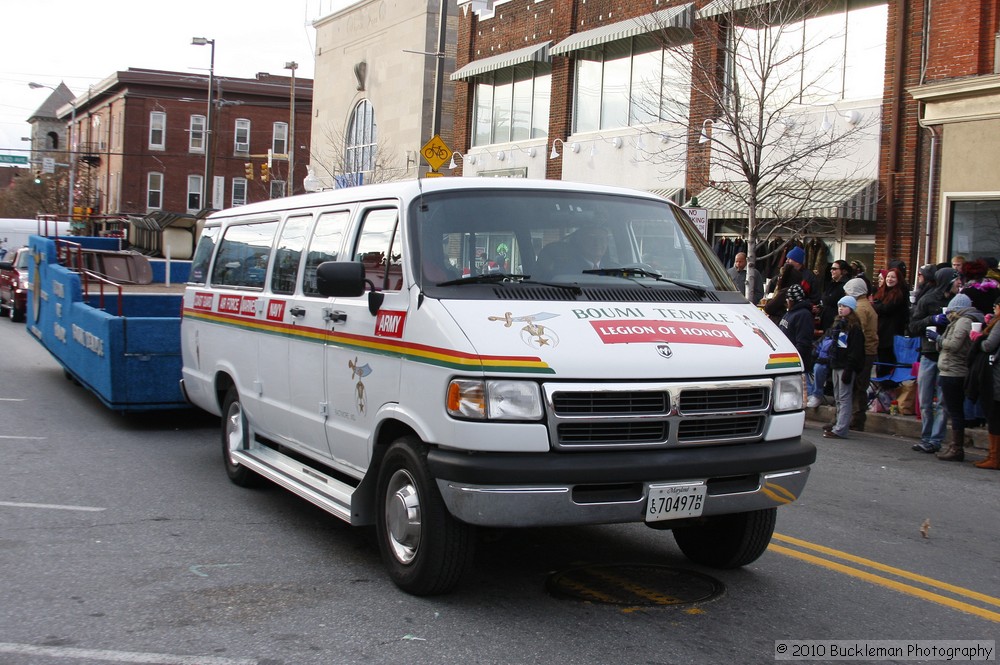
x: 930, y: 305
x: 848, y: 350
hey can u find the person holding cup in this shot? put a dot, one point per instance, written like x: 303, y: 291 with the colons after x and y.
x: 953, y: 346
x: 926, y: 313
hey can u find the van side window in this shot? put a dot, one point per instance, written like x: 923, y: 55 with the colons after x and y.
x: 291, y: 242
x: 380, y: 250
x: 203, y: 255
x: 325, y: 245
x: 243, y: 255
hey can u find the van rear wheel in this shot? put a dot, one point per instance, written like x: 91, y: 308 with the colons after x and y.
x: 236, y: 436
x: 426, y: 550
x: 728, y: 541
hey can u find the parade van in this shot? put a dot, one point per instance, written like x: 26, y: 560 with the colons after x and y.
x: 436, y: 355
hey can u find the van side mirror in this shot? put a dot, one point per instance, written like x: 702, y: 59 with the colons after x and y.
x: 341, y: 278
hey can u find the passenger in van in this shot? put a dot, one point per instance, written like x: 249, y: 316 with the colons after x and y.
x: 584, y: 249
x: 434, y: 262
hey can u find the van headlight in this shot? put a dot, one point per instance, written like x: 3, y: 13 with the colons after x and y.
x: 789, y: 392
x: 494, y: 399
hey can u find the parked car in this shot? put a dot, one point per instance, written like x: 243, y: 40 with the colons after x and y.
x: 15, y: 282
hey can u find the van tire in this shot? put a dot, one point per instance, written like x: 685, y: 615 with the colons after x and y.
x: 728, y: 541
x: 428, y: 555
x: 236, y: 435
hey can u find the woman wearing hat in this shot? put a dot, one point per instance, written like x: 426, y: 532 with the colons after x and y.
x: 846, y: 360
x: 953, y: 346
x: 989, y: 340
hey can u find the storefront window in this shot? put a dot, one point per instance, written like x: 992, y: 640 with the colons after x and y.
x: 512, y: 104
x: 975, y: 228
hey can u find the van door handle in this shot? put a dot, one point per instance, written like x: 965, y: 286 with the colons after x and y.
x: 297, y: 311
x: 334, y: 315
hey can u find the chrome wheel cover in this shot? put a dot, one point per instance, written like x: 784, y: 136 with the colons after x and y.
x: 402, y: 516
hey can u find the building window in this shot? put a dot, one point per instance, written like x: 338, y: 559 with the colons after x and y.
x: 196, y: 135
x: 157, y: 130
x: 277, y: 189
x: 362, y: 140
x: 279, y: 138
x: 194, y: 193
x: 52, y: 141
x: 512, y: 104
x: 631, y: 82
x: 974, y: 227
x: 242, y: 141
x: 837, y: 55
x: 154, y: 191
x: 239, y: 191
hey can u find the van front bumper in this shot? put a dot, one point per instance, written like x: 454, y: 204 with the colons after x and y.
x: 559, y: 489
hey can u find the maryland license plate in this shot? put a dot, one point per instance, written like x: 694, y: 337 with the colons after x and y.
x: 671, y: 502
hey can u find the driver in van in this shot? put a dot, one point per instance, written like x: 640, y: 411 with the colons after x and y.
x: 584, y: 249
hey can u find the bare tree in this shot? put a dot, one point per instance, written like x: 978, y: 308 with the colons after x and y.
x: 332, y: 159
x: 26, y: 198
x: 761, y: 76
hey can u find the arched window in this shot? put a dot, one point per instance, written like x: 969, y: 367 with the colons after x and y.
x: 52, y: 140
x: 362, y: 139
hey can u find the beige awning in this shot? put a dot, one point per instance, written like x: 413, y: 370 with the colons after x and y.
x: 824, y: 199
x: 675, y: 17
x: 533, y: 53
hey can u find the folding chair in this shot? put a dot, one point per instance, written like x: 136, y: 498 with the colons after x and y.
x: 886, y: 376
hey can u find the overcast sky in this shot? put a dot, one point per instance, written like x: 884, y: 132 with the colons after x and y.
x: 82, y: 43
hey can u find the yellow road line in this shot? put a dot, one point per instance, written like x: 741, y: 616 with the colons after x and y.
x: 898, y: 572
x: 886, y: 582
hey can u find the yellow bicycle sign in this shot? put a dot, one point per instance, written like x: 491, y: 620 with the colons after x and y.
x: 436, y: 152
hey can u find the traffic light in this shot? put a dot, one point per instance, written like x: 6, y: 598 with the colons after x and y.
x: 265, y: 172
x: 248, y: 169
x: 38, y: 177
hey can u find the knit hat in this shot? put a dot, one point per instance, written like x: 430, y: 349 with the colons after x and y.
x: 849, y: 301
x: 795, y: 293
x: 960, y: 301
x: 855, y: 287
x: 796, y: 254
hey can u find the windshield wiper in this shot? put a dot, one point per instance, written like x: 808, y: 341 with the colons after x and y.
x: 628, y: 272
x: 507, y: 278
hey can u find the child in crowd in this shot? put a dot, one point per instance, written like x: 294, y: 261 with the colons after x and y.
x: 847, y: 357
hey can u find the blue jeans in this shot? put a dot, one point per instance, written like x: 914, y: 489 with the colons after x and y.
x: 933, y: 420
x: 819, y: 376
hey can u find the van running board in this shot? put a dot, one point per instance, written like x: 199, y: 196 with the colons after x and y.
x: 314, y: 486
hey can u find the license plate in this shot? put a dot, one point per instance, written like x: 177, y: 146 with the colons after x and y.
x: 671, y: 502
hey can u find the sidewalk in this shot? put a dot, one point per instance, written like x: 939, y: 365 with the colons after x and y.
x: 905, y: 426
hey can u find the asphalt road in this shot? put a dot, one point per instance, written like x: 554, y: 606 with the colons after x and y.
x: 122, y: 541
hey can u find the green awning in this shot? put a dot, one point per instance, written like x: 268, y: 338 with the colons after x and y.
x: 717, y: 7
x: 675, y: 17
x: 534, y: 53
x: 824, y: 199
x: 675, y: 194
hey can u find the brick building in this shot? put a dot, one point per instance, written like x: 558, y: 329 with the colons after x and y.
x: 140, y: 140
x: 549, y: 88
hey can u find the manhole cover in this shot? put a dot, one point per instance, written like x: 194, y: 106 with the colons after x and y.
x: 634, y: 585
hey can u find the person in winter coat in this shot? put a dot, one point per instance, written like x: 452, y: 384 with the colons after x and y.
x: 953, y: 346
x: 857, y: 289
x: 847, y: 357
x: 892, y: 305
x: 840, y: 272
x: 797, y: 324
x: 925, y: 282
x: 776, y: 307
x: 982, y: 290
x: 989, y: 341
x: 924, y: 314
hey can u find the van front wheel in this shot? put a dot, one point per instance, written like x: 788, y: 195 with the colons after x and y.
x: 236, y: 436
x: 426, y: 550
x: 728, y: 541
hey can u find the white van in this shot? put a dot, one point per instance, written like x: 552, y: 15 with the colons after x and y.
x: 435, y: 355
x: 14, y: 232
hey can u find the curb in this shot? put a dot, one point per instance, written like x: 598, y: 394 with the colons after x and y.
x: 905, y: 426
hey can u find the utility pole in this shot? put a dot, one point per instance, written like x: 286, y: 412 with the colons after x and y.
x: 290, y: 149
x: 206, y: 187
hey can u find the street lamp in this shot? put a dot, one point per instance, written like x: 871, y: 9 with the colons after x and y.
x: 201, y: 41
x: 72, y: 151
x: 290, y: 148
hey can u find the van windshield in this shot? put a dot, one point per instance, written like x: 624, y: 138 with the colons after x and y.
x: 557, y: 237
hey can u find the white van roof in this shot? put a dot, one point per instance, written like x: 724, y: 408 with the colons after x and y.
x: 408, y: 189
